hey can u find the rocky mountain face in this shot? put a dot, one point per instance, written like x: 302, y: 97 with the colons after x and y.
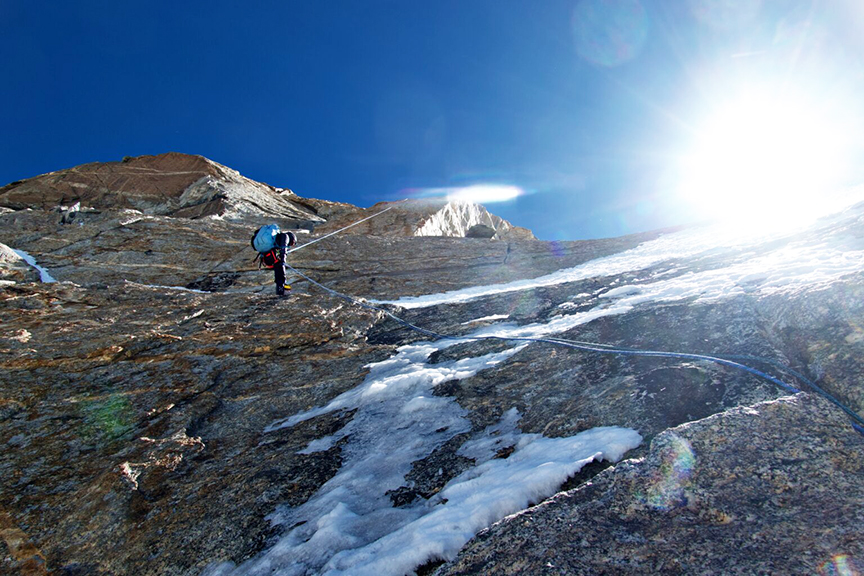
x: 177, y: 185
x: 163, y: 412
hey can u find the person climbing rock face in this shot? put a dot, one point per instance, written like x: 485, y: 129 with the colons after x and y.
x: 283, y: 241
x: 272, y: 245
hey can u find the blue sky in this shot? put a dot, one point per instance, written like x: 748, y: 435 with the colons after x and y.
x: 586, y: 105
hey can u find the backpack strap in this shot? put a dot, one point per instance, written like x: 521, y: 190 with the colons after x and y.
x: 267, y: 259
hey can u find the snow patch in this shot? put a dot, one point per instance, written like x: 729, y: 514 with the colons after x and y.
x: 481, y: 496
x: 44, y: 275
x: 622, y: 291
x: 487, y: 319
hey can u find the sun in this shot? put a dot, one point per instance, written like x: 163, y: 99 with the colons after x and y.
x: 764, y: 156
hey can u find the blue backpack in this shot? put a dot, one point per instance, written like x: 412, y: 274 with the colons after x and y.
x: 264, y: 239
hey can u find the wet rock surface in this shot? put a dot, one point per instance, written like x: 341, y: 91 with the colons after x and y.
x: 137, y: 393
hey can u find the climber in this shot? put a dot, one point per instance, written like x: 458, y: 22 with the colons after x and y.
x: 271, y: 245
x: 68, y: 213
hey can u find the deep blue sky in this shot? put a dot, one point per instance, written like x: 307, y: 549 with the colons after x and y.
x: 585, y: 104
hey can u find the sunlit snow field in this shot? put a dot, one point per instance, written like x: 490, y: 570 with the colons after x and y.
x: 815, y: 259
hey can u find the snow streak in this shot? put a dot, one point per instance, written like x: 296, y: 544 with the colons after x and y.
x: 44, y: 275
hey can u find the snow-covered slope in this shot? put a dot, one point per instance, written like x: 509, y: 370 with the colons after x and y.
x: 189, y: 186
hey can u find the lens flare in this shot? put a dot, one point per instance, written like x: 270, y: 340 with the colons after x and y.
x: 485, y: 193
x: 725, y: 14
x: 667, y: 488
x: 110, y: 418
x: 525, y: 302
x: 841, y: 565
x: 556, y: 248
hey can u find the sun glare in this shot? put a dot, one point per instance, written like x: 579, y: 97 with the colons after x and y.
x: 765, y: 158
x: 474, y: 193
x: 484, y: 193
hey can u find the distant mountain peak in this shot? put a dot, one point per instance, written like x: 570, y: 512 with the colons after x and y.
x: 170, y: 184
x: 191, y: 186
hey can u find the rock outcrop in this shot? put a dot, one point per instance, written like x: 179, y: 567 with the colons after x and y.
x: 163, y: 412
x: 480, y: 231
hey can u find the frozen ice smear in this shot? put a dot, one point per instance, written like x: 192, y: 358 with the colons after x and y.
x: 496, y: 437
x: 350, y: 525
x: 787, y: 270
x: 482, y: 496
x: 486, y: 319
x: 177, y: 288
x: 677, y: 245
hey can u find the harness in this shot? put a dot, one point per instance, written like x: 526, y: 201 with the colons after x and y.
x: 267, y: 259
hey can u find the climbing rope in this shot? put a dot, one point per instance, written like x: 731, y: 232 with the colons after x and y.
x: 241, y: 250
x: 607, y: 349
x: 815, y: 387
x: 340, y: 230
x: 728, y: 360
